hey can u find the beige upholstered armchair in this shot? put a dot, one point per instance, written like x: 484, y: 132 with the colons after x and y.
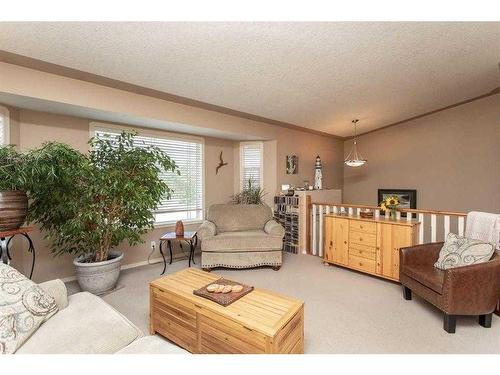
x: 240, y: 236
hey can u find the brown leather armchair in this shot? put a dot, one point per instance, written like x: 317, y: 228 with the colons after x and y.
x: 468, y: 290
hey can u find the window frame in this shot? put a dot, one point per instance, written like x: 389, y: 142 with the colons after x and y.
x: 5, y: 114
x: 242, y: 169
x: 93, y: 126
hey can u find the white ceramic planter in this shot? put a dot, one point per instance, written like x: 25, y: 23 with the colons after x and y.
x: 99, y: 277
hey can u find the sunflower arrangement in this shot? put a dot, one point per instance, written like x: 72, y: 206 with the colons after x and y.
x: 390, y: 204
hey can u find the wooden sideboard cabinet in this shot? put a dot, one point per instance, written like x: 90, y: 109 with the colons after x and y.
x: 368, y: 245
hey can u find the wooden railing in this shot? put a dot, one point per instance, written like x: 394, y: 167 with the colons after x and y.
x: 427, y: 233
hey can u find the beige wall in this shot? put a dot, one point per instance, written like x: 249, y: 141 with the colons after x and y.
x: 452, y: 158
x: 32, y: 128
x: 306, y: 147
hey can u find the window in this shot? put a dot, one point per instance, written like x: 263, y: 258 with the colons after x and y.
x: 186, y: 202
x: 4, y: 126
x: 251, y: 156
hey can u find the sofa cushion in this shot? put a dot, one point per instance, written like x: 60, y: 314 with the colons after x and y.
x: 426, y: 275
x: 24, y: 306
x: 87, y: 326
x: 154, y: 344
x: 238, y: 217
x: 460, y: 251
x: 241, y: 259
x: 244, y: 241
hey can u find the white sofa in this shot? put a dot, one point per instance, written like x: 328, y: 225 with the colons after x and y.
x: 85, y: 324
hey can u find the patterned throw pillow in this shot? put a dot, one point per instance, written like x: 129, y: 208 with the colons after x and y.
x: 23, y: 307
x: 460, y: 251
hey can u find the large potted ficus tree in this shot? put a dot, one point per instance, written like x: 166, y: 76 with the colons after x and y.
x: 13, y: 199
x: 88, y: 204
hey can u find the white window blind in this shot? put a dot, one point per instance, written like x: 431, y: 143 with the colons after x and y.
x: 251, y: 155
x: 186, y: 202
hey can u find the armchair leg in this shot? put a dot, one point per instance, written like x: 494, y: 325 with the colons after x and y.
x: 485, y: 320
x: 450, y: 323
x: 406, y: 293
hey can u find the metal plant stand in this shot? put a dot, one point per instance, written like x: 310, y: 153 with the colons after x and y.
x: 7, y: 236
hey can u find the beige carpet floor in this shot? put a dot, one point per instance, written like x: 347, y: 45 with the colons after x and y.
x: 345, y: 311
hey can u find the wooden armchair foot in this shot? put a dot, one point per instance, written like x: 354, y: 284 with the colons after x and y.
x: 276, y: 268
x: 207, y: 269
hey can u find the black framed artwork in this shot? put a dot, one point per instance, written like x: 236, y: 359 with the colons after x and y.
x: 407, y: 198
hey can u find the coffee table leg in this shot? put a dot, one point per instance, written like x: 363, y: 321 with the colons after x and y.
x: 163, y: 256
x: 170, y: 250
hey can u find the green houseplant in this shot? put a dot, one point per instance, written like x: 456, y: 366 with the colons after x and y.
x: 13, y: 199
x: 88, y: 204
x: 250, y: 194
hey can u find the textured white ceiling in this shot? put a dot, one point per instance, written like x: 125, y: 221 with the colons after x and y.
x: 316, y: 75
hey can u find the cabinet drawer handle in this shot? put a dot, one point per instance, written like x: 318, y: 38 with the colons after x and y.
x: 345, y: 242
x: 331, y: 243
x: 361, y: 226
x: 361, y: 239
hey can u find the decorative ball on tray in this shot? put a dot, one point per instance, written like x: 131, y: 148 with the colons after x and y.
x: 216, y: 288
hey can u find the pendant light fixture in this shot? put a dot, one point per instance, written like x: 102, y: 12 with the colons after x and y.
x: 354, y: 159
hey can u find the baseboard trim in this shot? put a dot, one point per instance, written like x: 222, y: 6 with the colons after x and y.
x: 143, y: 263
x: 124, y: 267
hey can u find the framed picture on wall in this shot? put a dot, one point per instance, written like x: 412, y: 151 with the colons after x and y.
x: 407, y: 198
x: 292, y: 164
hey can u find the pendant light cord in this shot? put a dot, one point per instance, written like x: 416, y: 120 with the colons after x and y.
x: 355, y: 122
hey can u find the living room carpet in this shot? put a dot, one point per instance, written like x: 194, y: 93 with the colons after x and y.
x: 345, y: 311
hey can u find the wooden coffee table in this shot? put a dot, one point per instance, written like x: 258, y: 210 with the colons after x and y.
x: 259, y: 322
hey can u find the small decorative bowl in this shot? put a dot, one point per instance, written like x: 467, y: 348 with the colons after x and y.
x: 366, y: 214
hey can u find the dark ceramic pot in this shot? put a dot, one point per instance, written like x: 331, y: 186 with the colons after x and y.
x: 13, y: 209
